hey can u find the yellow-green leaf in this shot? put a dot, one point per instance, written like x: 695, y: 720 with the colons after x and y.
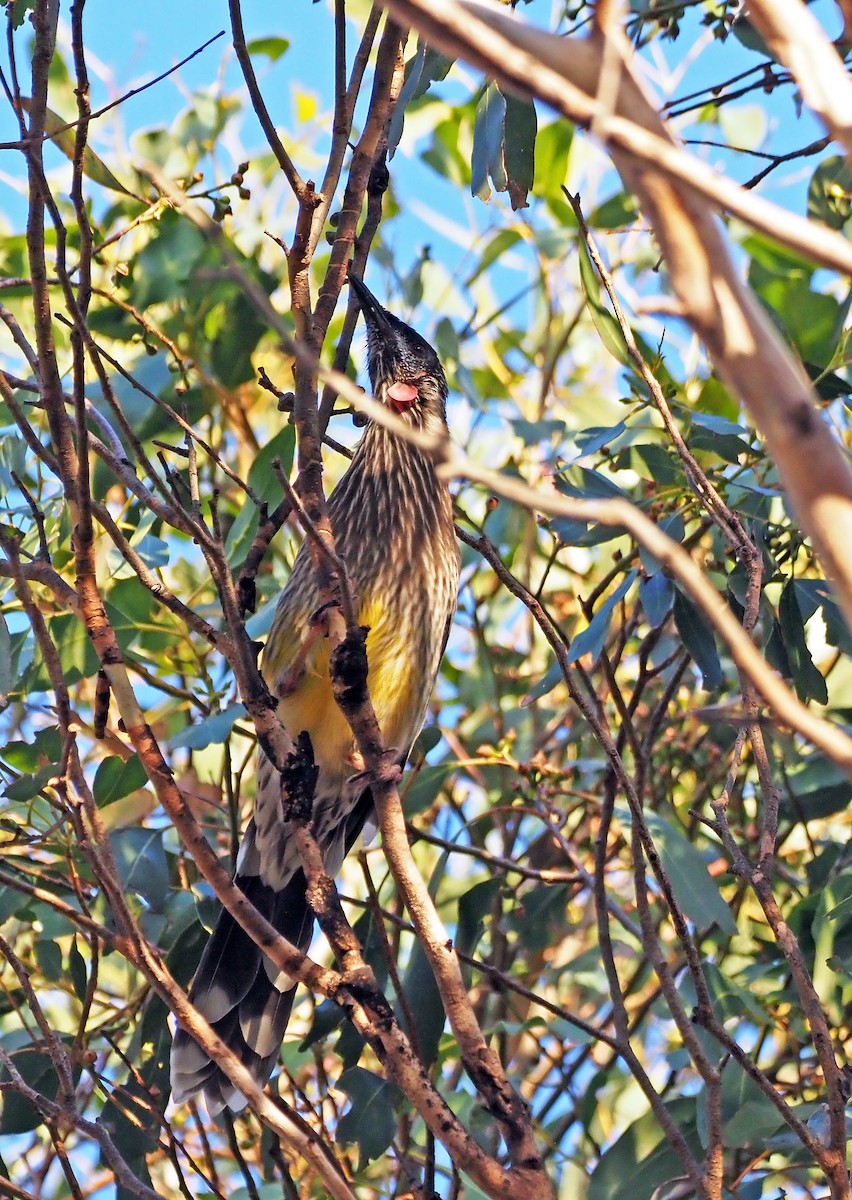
x: 65, y: 137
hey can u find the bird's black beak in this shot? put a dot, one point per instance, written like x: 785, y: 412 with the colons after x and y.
x: 372, y: 310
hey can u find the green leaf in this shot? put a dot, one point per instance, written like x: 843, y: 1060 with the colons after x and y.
x: 615, y: 213
x: 77, y: 970
x: 837, y: 632
x: 519, y: 130
x: 18, y: 13
x: 266, y: 485
x: 604, y: 322
x: 428, y: 66
x: 694, y: 887
x: 29, y: 785
x: 504, y: 131
x: 812, y: 320
x: 116, y: 778
x: 580, y: 533
x: 552, y: 150
x: 45, y: 748
x: 748, y: 36
x: 18, y: 1115
x: 444, y: 155
x: 830, y: 931
x: 591, y: 640
x: 730, y: 1000
x: 66, y: 139
x: 328, y: 1017
x: 262, y: 478
x: 370, y: 1122
x: 830, y: 192
x: 744, y: 125
x: 424, y: 1003
x: 265, y: 1191
x: 49, y: 958
x: 644, y: 1156
x: 424, y: 786
x: 212, y: 731
x: 474, y: 906
x: 776, y: 258
x: 590, y: 440
x: 586, y: 484
x: 76, y: 653
x: 662, y: 466
x: 728, y: 448
x: 132, y: 1121
x: 828, y: 384
x: 699, y: 639
x: 538, y: 916
x: 807, y: 679
x: 748, y: 1117
x: 141, y: 863
x: 502, y: 241
x: 162, y: 268
x: 487, y: 158
x: 656, y: 594
x: 272, y: 47
x: 672, y: 526
x: 12, y: 903
x: 820, y: 788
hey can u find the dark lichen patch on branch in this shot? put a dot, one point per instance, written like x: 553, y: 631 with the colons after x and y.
x: 299, y: 780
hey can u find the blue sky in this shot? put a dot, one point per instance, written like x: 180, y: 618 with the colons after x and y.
x: 135, y: 42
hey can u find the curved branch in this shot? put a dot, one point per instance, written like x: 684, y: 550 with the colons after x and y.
x: 678, y: 194
x: 796, y: 39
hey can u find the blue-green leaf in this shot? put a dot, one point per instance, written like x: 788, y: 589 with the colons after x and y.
x: 544, y: 685
x: 694, y: 887
x: 370, y: 1121
x: 487, y: 158
x: 141, y: 863
x: 807, y: 679
x: 674, y: 528
x: 591, y: 640
x: 115, y: 779
x: 213, y: 730
x: 519, y: 132
x: 698, y: 638
x: 657, y: 596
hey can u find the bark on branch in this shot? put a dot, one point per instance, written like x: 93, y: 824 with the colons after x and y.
x: 746, y: 350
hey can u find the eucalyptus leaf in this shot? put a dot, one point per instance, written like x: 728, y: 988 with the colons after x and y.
x: 698, y: 638
x: 212, y: 730
x: 807, y: 679
x: 370, y: 1121
x: 657, y: 596
x: 116, y: 778
x: 694, y: 887
x: 591, y: 640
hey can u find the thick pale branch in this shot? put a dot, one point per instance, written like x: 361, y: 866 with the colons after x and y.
x: 796, y: 39
x: 564, y: 72
x: 786, y: 706
x: 747, y: 351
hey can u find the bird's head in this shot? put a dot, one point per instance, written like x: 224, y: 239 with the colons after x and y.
x: 405, y: 372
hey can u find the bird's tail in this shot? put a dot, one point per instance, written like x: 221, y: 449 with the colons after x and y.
x: 243, y: 996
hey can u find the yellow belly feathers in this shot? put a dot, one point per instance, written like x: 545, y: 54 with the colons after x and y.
x: 312, y: 707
